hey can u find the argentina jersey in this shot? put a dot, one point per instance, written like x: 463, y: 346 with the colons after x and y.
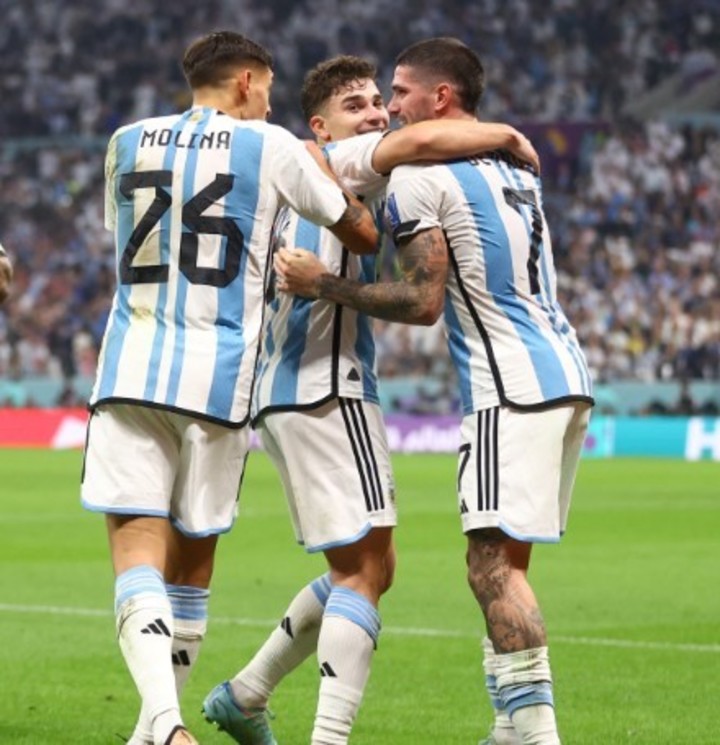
x: 315, y: 350
x: 509, y: 339
x: 191, y: 199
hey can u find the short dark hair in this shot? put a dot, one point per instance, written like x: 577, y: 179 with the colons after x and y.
x: 212, y: 58
x: 330, y: 76
x: 447, y: 58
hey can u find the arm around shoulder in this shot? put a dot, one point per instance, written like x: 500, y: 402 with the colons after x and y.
x: 444, y: 139
x: 356, y: 227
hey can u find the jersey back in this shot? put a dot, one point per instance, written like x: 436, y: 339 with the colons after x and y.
x: 509, y: 339
x: 191, y: 199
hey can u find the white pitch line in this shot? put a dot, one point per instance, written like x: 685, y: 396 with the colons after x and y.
x: 55, y: 610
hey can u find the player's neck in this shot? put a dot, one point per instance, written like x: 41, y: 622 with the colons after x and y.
x: 216, y: 100
x: 457, y: 113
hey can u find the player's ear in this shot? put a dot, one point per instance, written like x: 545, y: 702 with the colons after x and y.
x: 242, y: 83
x: 443, y: 96
x: 318, y: 127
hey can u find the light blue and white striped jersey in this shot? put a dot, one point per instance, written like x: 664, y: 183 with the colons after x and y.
x: 314, y: 350
x: 508, y: 337
x: 191, y: 199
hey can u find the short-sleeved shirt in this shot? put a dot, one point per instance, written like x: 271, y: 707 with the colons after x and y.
x: 509, y: 339
x: 191, y: 199
x: 315, y: 350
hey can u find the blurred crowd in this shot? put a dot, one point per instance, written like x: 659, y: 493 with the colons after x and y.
x: 634, y: 221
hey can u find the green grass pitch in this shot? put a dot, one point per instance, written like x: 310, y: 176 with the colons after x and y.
x: 631, y: 598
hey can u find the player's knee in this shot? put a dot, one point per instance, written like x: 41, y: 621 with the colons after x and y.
x: 488, y: 567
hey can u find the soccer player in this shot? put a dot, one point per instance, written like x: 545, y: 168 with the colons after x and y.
x: 473, y: 240
x: 191, y: 199
x: 6, y: 274
x: 320, y: 422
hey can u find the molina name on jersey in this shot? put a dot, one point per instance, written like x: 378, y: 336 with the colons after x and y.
x: 191, y: 199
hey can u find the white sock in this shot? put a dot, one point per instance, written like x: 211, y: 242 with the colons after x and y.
x: 292, y: 642
x: 503, y: 732
x: 190, y: 611
x: 524, y: 683
x: 348, y: 637
x: 145, y: 629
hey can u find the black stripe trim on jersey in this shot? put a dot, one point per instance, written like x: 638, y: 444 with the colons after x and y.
x: 404, y: 230
x: 267, y: 278
x: 365, y: 446
x: 356, y: 454
x: 375, y: 471
x: 494, y: 369
x: 337, y: 330
x: 109, y: 400
x: 292, y: 407
x: 496, y: 457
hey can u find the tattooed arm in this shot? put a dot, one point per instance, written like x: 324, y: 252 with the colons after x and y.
x: 417, y: 298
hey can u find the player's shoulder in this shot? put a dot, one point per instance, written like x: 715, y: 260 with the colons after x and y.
x: 419, y: 171
x: 151, y: 122
x: 272, y: 132
x: 366, y: 142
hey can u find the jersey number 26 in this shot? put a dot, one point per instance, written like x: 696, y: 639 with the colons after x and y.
x: 192, y: 219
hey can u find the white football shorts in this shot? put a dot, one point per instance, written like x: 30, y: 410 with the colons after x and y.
x: 148, y: 461
x: 335, y: 468
x: 516, y: 469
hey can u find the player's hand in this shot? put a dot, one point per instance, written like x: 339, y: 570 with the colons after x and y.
x: 522, y: 148
x: 298, y: 271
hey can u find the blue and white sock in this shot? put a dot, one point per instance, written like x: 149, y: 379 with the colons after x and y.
x: 145, y: 631
x: 503, y: 732
x: 348, y: 638
x: 190, y: 613
x: 292, y: 642
x: 524, y: 683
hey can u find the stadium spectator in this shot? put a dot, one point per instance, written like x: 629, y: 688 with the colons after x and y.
x: 515, y: 383
x: 69, y: 78
x: 180, y: 349
x: 6, y: 273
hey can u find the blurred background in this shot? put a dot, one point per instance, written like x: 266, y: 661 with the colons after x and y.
x: 622, y: 99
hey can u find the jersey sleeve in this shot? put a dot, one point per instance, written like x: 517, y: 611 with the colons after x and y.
x: 301, y: 183
x: 110, y: 168
x: 414, y: 202
x: 351, y: 160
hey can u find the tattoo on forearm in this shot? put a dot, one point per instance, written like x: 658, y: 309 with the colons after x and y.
x: 353, y: 215
x: 423, y: 262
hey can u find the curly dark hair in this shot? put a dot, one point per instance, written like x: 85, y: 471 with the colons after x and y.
x: 329, y: 77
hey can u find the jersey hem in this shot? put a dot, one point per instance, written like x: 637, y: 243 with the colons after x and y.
x: 541, y: 406
x: 166, y: 407
x: 279, y: 408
